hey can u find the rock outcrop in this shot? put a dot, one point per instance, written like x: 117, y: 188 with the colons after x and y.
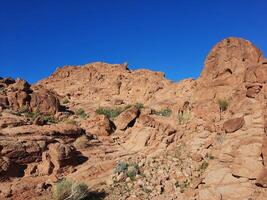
x: 154, y: 139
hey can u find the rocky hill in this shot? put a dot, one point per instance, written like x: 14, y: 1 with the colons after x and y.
x: 132, y: 134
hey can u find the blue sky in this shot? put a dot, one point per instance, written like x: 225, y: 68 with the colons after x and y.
x: 172, y: 36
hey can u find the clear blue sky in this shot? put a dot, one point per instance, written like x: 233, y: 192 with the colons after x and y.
x: 172, y: 36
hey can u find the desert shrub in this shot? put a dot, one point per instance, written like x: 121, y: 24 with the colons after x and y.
x: 165, y: 112
x: 204, y: 165
x: 111, y: 112
x: 132, y: 171
x: 223, y: 104
x: 49, y: 119
x: 81, y: 113
x: 32, y: 115
x: 70, y: 190
x: 183, y: 117
x: 121, y: 167
x: 65, y: 100
x: 209, y: 156
x: 139, y: 106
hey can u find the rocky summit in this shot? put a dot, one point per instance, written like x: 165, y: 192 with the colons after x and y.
x: 102, y: 131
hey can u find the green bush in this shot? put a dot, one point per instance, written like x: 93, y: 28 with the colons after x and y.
x: 32, y: 115
x: 81, y: 113
x: 49, y: 119
x: 223, y: 104
x: 132, y: 171
x: 121, y: 167
x: 165, y: 112
x: 66, y: 189
x: 111, y: 112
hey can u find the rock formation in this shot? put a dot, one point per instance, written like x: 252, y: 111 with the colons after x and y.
x: 134, y: 135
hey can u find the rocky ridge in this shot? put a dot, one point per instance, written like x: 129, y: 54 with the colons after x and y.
x: 135, y: 135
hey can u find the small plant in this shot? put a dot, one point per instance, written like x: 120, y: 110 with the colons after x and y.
x: 184, y: 117
x: 223, y: 104
x: 49, y: 119
x: 209, y: 156
x: 121, y: 167
x: 81, y: 113
x: 132, y: 171
x: 165, y: 112
x: 111, y: 112
x: 66, y: 189
x: 139, y: 106
x: 146, y: 190
x: 32, y: 115
x: 204, y: 165
x: 65, y: 100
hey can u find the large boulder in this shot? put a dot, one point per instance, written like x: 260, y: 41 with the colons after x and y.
x: 100, y: 126
x: 62, y: 155
x: 44, y: 101
x: 19, y: 85
x: 229, y: 59
x: 233, y: 125
x: 18, y: 99
x: 125, y: 118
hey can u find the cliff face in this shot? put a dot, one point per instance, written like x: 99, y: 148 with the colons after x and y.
x: 196, y: 139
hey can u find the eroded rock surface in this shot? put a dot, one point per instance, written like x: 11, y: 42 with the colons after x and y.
x: 199, y: 139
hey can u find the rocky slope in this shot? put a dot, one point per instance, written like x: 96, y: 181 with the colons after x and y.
x: 132, y: 134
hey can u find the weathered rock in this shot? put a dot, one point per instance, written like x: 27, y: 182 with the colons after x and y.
x: 62, y: 155
x: 233, y: 125
x: 100, y: 126
x: 7, y: 168
x: 127, y: 117
x: 253, y: 90
x: 46, y: 166
x: 262, y: 179
x: 228, y: 60
x: 3, y: 101
x: 18, y: 100
x: 19, y: 85
x: 45, y: 102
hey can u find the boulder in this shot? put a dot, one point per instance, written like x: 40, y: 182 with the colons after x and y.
x: 18, y: 100
x: 62, y: 155
x: 229, y: 59
x: 100, y: 126
x: 19, y: 85
x: 125, y: 118
x: 45, y: 102
x: 253, y: 90
x: 233, y: 125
